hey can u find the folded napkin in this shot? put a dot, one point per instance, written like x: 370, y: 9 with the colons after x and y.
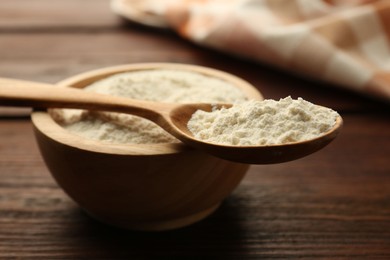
x: 345, y: 42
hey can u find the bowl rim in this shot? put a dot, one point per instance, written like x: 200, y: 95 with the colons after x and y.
x: 46, y: 125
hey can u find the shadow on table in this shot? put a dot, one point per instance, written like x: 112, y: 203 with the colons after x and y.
x: 220, y: 235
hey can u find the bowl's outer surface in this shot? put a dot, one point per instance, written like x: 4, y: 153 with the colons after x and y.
x: 143, y: 187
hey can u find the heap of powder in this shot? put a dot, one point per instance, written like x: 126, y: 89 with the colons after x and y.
x: 155, y: 85
x: 264, y: 122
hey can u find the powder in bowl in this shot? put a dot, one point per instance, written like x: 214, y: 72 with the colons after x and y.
x: 163, y: 85
x: 266, y: 122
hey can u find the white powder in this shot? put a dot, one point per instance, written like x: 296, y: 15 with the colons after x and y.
x: 264, y: 122
x: 162, y: 85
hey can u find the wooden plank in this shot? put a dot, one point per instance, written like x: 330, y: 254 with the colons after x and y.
x: 334, y: 203
x: 51, y: 57
x: 41, y: 14
x: 14, y: 112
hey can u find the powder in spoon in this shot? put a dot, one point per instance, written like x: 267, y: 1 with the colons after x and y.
x: 264, y: 122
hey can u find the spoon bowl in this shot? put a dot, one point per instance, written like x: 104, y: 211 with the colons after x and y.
x: 266, y: 154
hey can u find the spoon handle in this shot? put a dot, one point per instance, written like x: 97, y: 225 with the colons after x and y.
x: 40, y: 95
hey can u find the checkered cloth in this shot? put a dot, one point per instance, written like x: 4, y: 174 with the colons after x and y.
x: 345, y: 42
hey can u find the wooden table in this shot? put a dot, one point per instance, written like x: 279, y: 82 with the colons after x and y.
x: 332, y: 204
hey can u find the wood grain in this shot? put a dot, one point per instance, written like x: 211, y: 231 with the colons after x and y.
x: 334, y: 204
x: 38, y: 15
x: 324, y: 205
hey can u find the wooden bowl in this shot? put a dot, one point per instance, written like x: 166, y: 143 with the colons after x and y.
x: 139, y: 186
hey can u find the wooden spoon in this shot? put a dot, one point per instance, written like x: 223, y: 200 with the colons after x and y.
x: 171, y: 117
